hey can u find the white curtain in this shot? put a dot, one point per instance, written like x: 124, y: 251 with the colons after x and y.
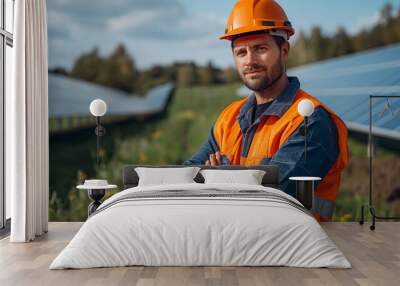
x: 27, y: 145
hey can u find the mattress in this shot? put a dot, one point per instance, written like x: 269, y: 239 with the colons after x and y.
x: 201, y: 225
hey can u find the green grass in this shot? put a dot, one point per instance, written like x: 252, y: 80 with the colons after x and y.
x: 168, y: 139
x: 354, y: 190
x: 177, y: 137
x: 172, y: 139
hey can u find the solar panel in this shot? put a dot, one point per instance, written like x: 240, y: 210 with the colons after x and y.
x: 70, y: 97
x: 344, y: 84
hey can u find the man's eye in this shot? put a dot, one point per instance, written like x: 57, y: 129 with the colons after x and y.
x: 261, y: 49
x: 240, y: 53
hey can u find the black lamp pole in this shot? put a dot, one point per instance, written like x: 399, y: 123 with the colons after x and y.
x: 305, y: 138
x: 303, y: 132
x: 99, y: 131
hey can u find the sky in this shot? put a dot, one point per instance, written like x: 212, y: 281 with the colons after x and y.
x: 166, y: 31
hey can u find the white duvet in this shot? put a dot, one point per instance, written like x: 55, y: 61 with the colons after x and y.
x: 202, y: 231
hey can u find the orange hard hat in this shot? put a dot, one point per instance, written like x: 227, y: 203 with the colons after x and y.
x: 257, y: 15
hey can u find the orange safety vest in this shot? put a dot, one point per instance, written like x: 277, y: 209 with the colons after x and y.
x: 270, y: 135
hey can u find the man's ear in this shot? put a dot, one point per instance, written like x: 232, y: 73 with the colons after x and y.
x: 285, y: 49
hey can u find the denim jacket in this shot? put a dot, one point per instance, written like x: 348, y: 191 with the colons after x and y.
x: 322, y: 141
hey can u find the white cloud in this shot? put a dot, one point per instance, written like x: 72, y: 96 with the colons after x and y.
x: 364, y: 23
x: 63, y: 26
x: 203, y: 23
x: 149, y: 22
x: 154, y: 31
x: 172, y: 22
x: 132, y: 20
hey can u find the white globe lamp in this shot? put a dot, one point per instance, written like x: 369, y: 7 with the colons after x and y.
x: 305, y: 108
x: 305, y: 186
x: 98, y: 108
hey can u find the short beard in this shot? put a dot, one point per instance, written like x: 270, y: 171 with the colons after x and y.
x: 265, y: 82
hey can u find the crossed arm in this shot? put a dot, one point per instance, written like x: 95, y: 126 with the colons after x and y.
x: 322, y: 151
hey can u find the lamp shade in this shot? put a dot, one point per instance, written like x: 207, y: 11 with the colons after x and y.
x: 98, y: 107
x: 305, y: 107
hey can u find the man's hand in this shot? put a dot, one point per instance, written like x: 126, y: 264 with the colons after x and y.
x: 215, y: 159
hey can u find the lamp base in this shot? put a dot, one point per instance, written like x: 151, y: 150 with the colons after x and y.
x: 95, y: 195
x: 305, y: 188
x: 305, y: 193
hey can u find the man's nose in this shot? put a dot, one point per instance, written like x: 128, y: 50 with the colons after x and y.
x: 250, y: 58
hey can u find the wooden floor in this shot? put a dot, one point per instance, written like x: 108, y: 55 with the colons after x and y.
x: 374, y: 255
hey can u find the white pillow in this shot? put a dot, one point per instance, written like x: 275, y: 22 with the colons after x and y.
x: 248, y: 177
x: 162, y: 176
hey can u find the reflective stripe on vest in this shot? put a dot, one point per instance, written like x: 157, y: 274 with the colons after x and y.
x: 324, y: 207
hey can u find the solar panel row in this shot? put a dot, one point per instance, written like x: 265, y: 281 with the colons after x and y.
x: 344, y: 84
x: 71, y: 97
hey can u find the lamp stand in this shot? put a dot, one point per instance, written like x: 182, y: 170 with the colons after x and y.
x: 305, y: 138
x: 370, y: 206
x: 99, y: 131
x: 303, y: 132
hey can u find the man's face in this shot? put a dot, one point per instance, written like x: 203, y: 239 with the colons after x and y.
x: 259, y: 60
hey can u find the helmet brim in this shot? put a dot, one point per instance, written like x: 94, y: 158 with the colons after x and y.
x: 254, y: 29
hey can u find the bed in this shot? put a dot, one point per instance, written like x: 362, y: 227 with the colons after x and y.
x: 201, y: 224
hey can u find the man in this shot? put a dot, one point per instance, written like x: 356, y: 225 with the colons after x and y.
x: 266, y: 128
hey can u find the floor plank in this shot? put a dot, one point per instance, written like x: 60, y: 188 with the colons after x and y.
x: 374, y: 255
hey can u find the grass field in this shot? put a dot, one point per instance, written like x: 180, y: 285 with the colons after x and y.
x: 173, y: 138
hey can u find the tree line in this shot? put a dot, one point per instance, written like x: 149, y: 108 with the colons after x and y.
x: 316, y: 46
x: 119, y: 70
